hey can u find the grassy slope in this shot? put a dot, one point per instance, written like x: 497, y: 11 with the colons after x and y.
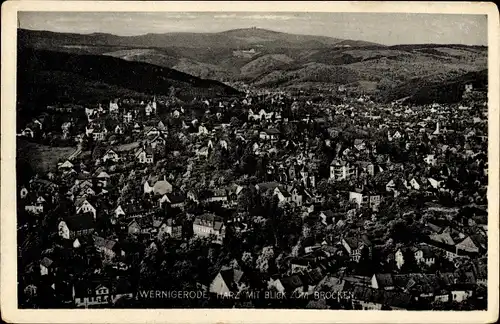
x: 41, y: 158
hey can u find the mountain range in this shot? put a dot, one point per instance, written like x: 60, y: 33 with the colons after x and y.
x: 270, y: 59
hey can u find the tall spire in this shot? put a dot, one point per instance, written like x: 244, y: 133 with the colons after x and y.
x: 437, y: 131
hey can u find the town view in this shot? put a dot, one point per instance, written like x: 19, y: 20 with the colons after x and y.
x: 249, y: 167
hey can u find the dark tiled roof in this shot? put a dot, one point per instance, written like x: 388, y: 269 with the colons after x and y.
x: 80, y: 222
x: 444, y: 238
x: 272, y: 131
x: 335, y: 284
x: 355, y: 242
x: 313, y: 277
x: 208, y: 220
x: 102, y: 242
x: 284, y: 192
x: 46, y: 262
x: 426, y: 251
x: 327, y: 213
x: 291, y: 283
x: 267, y: 185
x: 176, y: 198
x: 388, y: 298
x: 232, y: 277
x: 384, y: 280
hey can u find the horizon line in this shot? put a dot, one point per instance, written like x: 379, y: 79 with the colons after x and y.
x: 249, y: 28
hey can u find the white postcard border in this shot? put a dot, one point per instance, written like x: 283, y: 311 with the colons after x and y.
x: 8, y: 254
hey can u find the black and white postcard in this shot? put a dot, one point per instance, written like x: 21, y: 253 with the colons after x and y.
x: 249, y: 162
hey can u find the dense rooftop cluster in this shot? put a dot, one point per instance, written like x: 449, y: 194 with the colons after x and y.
x: 270, y: 200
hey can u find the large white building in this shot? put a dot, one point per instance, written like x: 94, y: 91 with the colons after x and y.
x: 342, y: 170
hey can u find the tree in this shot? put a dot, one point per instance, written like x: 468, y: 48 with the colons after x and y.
x: 296, y: 249
x: 246, y: 200
x: 410, y: 264
x: 235, y: 122
x: 323, y: 186
x: 88, y: 143
x: 265, y: 256
x: 247, y: 259
x: 248, y: 161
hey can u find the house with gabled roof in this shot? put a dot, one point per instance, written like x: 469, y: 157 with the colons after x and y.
x: 113, y: 106
x: 364, y: 197
x: 299, y: 195
x: 414, y: 184
x: 375, y: 299
x: 269, y: 134
x: 359, y: 144
x: 356, y: 245
x: 157, y: 186
x: 423, y: 254
x: 170, y: 227
x: 140, y: 226
x: 228, y: 282
x: 283, y: 195
x: 110, y: 155
x: 208, y: 225
x: 434, y: 183
x: 35, y: 204
x: 101, y: 293
x: 119, y: 129
x: 203, y: 151
x: 342, y: 170
x: 77, y: 225
x: 174, y: 200
x: 444, y: 242
x: 84, y: 206
x: 467, y: 245
x: 46, y: 266
x: 119, y: 211
x: 288, y: 285
x: 157, y: 141
x: 148, y: 109
x: 145, y: 155
x: 66, y: 165
x: 128, y: 117
x: 27, y: 132
x: 430, y: 159
x: 202, y: 130
x: 99, y: 132
x: 108, y: 247
x: 161, y: 126
x: 366, y: 167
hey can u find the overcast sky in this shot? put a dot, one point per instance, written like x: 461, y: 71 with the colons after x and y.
x: 383, y: 28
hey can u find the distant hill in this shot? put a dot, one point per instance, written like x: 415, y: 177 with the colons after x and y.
x: 265, y: 58
x: 264, y: 64
x: 420, y: 91
x: 234, y: 39
x: 46, y: 76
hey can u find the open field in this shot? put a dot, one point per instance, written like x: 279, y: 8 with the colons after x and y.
x: 40, y: 157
